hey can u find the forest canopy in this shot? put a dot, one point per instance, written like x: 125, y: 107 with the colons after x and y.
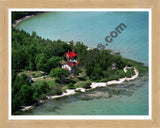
x: 19, y: 15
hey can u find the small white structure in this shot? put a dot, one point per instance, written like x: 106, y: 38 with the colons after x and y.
x: 67, y: 67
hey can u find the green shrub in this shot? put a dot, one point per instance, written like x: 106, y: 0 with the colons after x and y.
x: 43, y: 97
x: 56, y: 90
x: 76, y: 70
x: 33, y: 74
x: 59, y: 92
x: 87, y: 85
x: 70, y: 86
x: 58, y: 72
x: 121, y: 73
x: 82, y: 78
x: 130, y: 72
x: 78, y: 90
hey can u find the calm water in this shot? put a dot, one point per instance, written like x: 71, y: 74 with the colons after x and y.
x: 132, y: 100
x: 92, y: 28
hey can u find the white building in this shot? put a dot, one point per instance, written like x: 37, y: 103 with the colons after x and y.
x: 67, y: 67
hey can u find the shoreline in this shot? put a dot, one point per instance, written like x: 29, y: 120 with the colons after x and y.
x: 93, y: 86
x: 16, y: 22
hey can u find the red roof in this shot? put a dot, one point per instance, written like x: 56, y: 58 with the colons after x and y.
x: 65, y: 68
x: 70, y: 64
x: 71, y: 54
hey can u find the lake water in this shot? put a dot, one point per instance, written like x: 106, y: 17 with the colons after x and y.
x: 92, y: 28
x: 132, y: 100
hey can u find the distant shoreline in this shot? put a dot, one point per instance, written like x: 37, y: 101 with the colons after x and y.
x: 16, y: 22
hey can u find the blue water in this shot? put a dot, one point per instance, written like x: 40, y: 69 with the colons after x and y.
x: 134, y: 104
x: 92, y: 28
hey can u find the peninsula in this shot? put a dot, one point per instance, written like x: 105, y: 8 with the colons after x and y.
x: 43, y: 69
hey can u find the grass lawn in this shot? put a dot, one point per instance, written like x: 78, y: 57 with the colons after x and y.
x: 49, y: 82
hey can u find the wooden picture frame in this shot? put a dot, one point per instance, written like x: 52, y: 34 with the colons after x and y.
x: 4, y: 62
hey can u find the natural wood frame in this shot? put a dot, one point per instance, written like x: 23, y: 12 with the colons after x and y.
x: 4, y: 9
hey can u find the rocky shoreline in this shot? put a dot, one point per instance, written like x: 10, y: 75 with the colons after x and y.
x: 74, y: 91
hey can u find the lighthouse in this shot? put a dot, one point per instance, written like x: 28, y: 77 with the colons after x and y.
x: 113, y: 66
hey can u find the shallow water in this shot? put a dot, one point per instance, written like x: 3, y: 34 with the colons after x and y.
x: 125, y: 99
x: 92, y: 28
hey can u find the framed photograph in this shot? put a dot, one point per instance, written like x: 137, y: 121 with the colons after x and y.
x: 79, y: 65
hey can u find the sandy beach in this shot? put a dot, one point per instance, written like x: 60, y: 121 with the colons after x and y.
x: 98, y: 84
x: 93, y: 85
x: 24, y: 18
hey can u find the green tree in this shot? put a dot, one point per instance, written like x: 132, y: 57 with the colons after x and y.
x: 44, y: 87
x: 34, y: 34
x: 31, y: 66
x: 26, y: 92
x: 41, y: 60
x: 70, y: 86
x: 76, y: 70
x: 14, y: 74
x: 130, y: 72
x: 80, y: 48
x: 97, y: 73
x: 89, y: 69
x: 52, y: 63
x: 16, y: 102
x: 59, y: 73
